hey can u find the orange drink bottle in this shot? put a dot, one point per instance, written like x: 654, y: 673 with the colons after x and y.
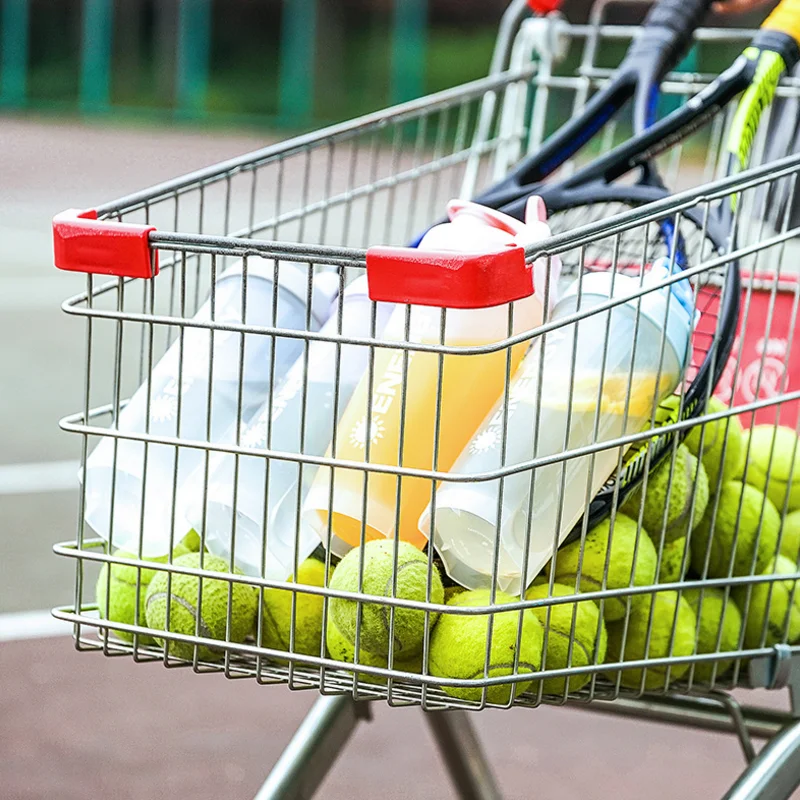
x: 418, y: 409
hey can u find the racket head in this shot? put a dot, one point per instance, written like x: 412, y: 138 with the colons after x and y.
x: 700, y: 237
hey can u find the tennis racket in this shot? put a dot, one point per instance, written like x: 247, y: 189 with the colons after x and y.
x: 665, y: 37
x: 589, y: 195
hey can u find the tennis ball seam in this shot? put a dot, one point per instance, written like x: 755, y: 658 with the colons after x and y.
x: 203, y: 628
x: 575, y: 640
x: 504, y: 665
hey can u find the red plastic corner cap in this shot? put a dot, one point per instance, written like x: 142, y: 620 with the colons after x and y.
x: 448, y: 279
x: 82, y: 243
x: 544, y: 6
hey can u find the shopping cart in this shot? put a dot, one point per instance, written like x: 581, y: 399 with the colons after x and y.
x: 318, y: 201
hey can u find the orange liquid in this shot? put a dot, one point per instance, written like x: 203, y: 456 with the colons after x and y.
x: 471, y: 385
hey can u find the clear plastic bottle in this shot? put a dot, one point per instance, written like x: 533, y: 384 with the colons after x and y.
x: 553, y: 408
x: 275, y: 482
x: 403, y: 395
x: 134, y: 494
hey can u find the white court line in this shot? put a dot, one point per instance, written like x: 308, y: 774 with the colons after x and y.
x: 39, y: 477
x: 31, y: 625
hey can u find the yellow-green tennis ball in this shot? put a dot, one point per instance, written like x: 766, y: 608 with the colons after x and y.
x: 192, y: 541
x: 412, y: 582
x: 719, y: 620
x: 458, y: 647
x: 213, y: 610
x: 726, y: 431
x: 790, y: 537
x: 784, y: 466
x: 688, y: 497
x: 588, y: 643
x: 341, y: 649
x: 621, y: 573
x: 673, y: 556
x: 277, y: 625
x: 720, y: 529
x: 668, y: 611
x: 116, y: 601
x: 770, y: 617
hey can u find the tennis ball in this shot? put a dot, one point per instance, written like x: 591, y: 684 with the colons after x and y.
x: 452, y: 591
x: 688, y: 489
x: 458, y: 646
x: 118, y: 604
x: 714, y: 613
x: 672, y: 567
x: 412, y: 580
x: 213, y: 611
x: 668, y: 610
x: 277, y: 625
x: 773, y: 614
x: 621, y: 572
x: 725, y: 432
x: 588, y: 643
x: 720, y: 530
x: 790, y: 537
x: 192, y: 541
x: 343, y: 650
x: 781, y: 443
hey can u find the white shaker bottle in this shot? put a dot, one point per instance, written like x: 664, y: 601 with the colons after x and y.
x: 276, y: 483
x: 153, y: 495
x: 557, y: 415
x: 403, y: 393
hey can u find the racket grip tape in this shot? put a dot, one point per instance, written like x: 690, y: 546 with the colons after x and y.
x: 785, y: 18
x: 669, y: 27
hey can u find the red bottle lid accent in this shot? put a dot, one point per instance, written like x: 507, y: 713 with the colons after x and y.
x: 82, y: 243
x: 544, y: 6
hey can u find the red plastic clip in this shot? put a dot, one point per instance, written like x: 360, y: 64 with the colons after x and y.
x: 82, y: 243
x: 448, y: 279
x: 544, y: 6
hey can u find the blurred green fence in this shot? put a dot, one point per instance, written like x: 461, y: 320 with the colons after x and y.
x: 288, y: 62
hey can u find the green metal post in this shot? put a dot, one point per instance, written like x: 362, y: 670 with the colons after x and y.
x: 13, y: 52
x: 98, y: 34
x: 298, y: 37
x: 194, y: 45
x: 409, y: 22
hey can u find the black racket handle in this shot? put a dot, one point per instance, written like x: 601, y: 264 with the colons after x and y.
x: 668, y: 29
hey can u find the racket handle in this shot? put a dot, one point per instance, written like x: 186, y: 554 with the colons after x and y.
x: 668, y: 27
x: 785, y: 18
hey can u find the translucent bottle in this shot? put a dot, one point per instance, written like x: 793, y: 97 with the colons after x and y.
x: 611, y: 358
x: 144, y: 507
x: 403, y: 396
x: 265, y: 539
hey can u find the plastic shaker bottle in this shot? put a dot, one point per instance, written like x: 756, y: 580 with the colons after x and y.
x: 403, y: 394
x: 279, y: 426
x: 133, y: 494
x: 562, y: 414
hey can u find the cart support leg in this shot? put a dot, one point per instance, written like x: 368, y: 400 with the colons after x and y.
x: 463, y: 754
x: 313, y: 750
x: 775, y: 772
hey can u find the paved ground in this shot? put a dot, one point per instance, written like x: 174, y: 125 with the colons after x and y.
x: 78, y: 726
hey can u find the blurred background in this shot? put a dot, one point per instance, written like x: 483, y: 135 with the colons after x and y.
x: 99, y: 98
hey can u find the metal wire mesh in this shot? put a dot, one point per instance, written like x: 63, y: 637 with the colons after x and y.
x: 308, y: 208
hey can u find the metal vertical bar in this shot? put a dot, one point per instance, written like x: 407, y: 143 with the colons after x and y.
x: 13, y: 52
x: 775, y: 773
x: 409, y: 22
x: 194, y: 44
x: 462, y: 752
x: 298, y: 35
x: 313, y: 750
x: 97, y: 25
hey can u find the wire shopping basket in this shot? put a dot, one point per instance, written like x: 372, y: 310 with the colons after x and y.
x: 277, y: 386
